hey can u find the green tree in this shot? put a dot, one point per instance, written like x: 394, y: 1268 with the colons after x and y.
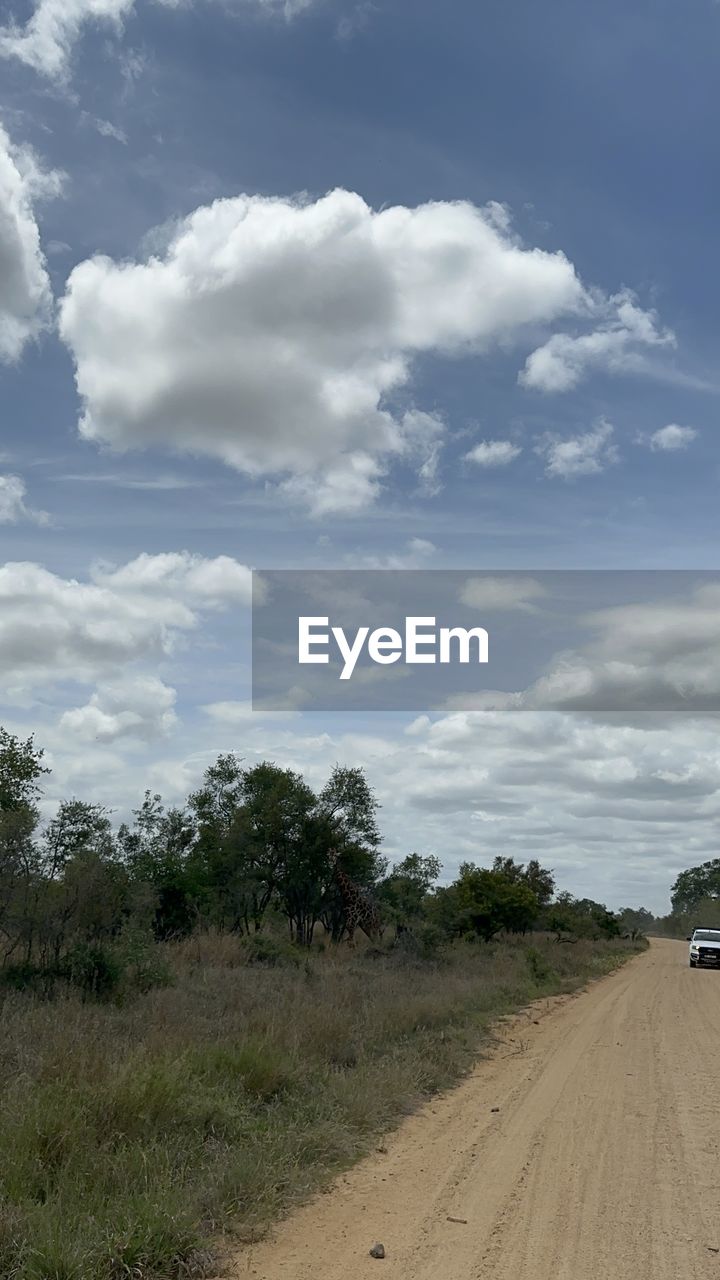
x: 270, y: 849
x: 20, y: 771
x: 21, y: 768
x: 571, y: 918
x: 348, y: 805
x: 695, y: 885
x: 75, y: 828
x: 157, y: 853
x: 488, y: 902
x: 538, y: 879
x: 406, y: 889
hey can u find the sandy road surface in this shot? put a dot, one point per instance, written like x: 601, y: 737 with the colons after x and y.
x: 603, y: 1162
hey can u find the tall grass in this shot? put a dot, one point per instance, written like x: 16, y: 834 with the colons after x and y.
x: 131, y: 1137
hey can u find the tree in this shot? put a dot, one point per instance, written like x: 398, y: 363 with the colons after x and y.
x: 76, y: 827
x: 76, y: 841
x: 156, y: 852
x: 215, y: 802
x: 305, y: 878
x: 348, y: 805
x: 271, y: 848
x: 695, y: 885
x: 540, y: 881
x: 580, y: 918
x: 406, y: 889
x: 489, y: 902
x: 20, y: 770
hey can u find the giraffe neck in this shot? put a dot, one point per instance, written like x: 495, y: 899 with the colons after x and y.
x: 348, y: 889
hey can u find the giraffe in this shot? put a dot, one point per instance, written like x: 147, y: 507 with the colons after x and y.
x: 360, y: 911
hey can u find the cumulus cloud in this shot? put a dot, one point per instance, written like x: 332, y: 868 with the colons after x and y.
x: 618, y: 345
x: 346, y: 486
x: 273, y: 333
x: 54, y: 628
x: 493, y: 453
x: 140, y: 707
x: 12, y: 502
x: 672, y: 437
x: 582, y: 455
x: 178, y: 575
x: 24, y: 285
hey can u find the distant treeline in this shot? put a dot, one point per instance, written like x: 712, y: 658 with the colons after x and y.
x: 254, y: 847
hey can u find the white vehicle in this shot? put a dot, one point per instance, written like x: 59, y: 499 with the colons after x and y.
x: 704, y: 947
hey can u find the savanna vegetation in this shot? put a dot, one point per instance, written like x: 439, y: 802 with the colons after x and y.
x: 188, y: 1046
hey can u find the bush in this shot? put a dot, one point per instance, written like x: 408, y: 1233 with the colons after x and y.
x: 93, y: 970
x: 424, y: 942
x: 262, y: 948
x: 28, y: 977
x: 539, y: 966
x: 143, y: 962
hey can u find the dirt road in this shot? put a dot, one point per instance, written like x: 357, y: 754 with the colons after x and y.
x: 602, y: 1163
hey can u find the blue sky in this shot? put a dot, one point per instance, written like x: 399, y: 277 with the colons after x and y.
x: 496, y: 349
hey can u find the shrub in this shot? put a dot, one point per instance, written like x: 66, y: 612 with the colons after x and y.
x: 261, y: 948
x: 94, y: 970
x: 539, y: 966
x: 142, y: 961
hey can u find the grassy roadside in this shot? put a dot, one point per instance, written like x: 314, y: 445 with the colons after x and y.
x: 131, y: 1137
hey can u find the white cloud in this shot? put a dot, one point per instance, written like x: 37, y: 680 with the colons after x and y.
x: 47, y: 41
x: 493, y: 453
x: 421, y: 547
x: 272, y: 333
x: 414, y: 555
x: 138, y: 707
x: 181, y: 576
x: 48, y: 38
x: 240, y: 714
x: 106, y: 128
x: 422, y: 436
x: 12, y: 502
x: 617, y: 345
x: 25, y: 297
x: 672, y: 437
x: 54, y: 628
x: 582, y: 455
x: 344, y: 487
